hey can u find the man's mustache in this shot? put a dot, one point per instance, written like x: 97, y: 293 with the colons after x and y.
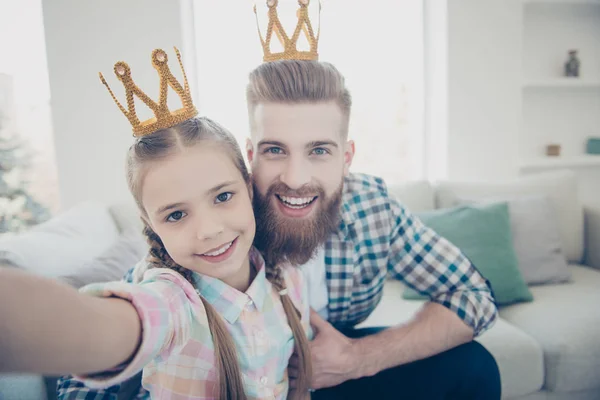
x: 282, y: 189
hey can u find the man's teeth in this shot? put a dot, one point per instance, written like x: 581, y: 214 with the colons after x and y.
x: 220, y: 250
x: 297, y: 202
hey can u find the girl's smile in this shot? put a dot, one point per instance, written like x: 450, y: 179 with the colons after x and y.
x: 220, y: 253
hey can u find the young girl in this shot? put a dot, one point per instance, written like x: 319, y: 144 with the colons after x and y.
x: 209, y: 320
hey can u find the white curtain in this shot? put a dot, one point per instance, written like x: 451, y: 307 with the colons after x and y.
x: 377, y: 45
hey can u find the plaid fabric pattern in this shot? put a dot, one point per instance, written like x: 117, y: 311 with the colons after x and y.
x: 177, y: 353
x: 70, y: 388
x: 378, y: 238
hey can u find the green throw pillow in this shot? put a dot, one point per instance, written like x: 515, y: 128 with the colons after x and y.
x: 483, y: 234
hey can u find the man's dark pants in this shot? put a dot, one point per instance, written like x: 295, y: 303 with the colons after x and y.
x: 466, y: 372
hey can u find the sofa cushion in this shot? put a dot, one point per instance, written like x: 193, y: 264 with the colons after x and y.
x: 416, y: 196
x: 536, y: 239
x: 560, y: 187
x: 127, y: 251
x: 592, y: 236
x: 127, y: 217
x: 519, y: 356
x: 483, y: 234
x: 62, y: 244
x: 565, y: 320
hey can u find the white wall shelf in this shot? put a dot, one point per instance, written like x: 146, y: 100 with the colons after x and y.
x: 556, y: 109
x: 567, y: 2
x: 562, y: 83
x: 583, y: 161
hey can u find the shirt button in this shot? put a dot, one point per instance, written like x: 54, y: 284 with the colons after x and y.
x: 263, y: 380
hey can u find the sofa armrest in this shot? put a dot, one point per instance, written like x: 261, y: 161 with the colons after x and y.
x: 592, y: 236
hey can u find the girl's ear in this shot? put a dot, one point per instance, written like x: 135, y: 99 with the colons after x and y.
x: 145, y: 220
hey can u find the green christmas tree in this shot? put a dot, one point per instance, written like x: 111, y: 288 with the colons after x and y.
x: 18, y: 209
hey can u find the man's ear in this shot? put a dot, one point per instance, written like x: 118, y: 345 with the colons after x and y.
x: 250, y: 190
x: 348, y: 156
x: 249, y: 150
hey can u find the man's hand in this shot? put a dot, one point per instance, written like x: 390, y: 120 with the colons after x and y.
x: 334, y: 356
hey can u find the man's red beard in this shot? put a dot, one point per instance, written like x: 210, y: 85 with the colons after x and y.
x: 295, y: 240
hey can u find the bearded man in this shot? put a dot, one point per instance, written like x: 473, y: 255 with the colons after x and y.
x: 347, y: 234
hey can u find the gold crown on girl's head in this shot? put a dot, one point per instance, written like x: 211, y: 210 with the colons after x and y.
x: 290, y: 49
x: 163, y: 117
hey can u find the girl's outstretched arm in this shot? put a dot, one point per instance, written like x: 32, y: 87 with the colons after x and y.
x: 50, y: 328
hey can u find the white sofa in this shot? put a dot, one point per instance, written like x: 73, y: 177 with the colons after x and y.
x: 548, y: 348
x: 545, y: 349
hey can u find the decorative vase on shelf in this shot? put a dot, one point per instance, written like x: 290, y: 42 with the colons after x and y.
x: 593, y: 146
x: 553, y: 150
x: 572, y: 65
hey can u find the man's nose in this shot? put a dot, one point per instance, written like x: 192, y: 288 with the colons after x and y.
x: 296, y: 174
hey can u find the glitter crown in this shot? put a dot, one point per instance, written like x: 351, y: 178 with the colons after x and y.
x: 290, y: 49
x: 163, y: 117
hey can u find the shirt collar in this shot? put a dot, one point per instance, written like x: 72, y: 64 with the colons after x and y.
x: 230, y: 302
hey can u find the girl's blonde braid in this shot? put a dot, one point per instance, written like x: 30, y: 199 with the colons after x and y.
x: 275, y: 276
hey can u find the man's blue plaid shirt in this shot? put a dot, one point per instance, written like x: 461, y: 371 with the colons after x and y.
x: 378, y: 238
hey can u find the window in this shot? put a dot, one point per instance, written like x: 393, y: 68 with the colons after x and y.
x: 379, y: 49
x: 25, y: 94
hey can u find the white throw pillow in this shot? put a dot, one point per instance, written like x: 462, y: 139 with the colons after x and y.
x: 111, y: 265
x: 560, y: 187
x: 417, y: 196
x: 536, y: 239
x: 127, y: 216
x: 62, y: 244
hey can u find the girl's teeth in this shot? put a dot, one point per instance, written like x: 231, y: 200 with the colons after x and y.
x: 219, y: 251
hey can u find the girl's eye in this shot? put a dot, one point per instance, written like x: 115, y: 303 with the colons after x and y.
x: 223, y: 197
x: 175, y: 216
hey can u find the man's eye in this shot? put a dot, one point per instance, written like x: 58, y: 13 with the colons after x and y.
x: 274, y: 150
x: 320, y: 151
x: 223, y: 197
x: 175, y: 216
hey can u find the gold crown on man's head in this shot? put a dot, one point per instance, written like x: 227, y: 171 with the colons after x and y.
x: 163, y: 117
x: 290, y: 49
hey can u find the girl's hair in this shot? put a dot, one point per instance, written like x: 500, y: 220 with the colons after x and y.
x: 298, y: 81
x: 160, y: 145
